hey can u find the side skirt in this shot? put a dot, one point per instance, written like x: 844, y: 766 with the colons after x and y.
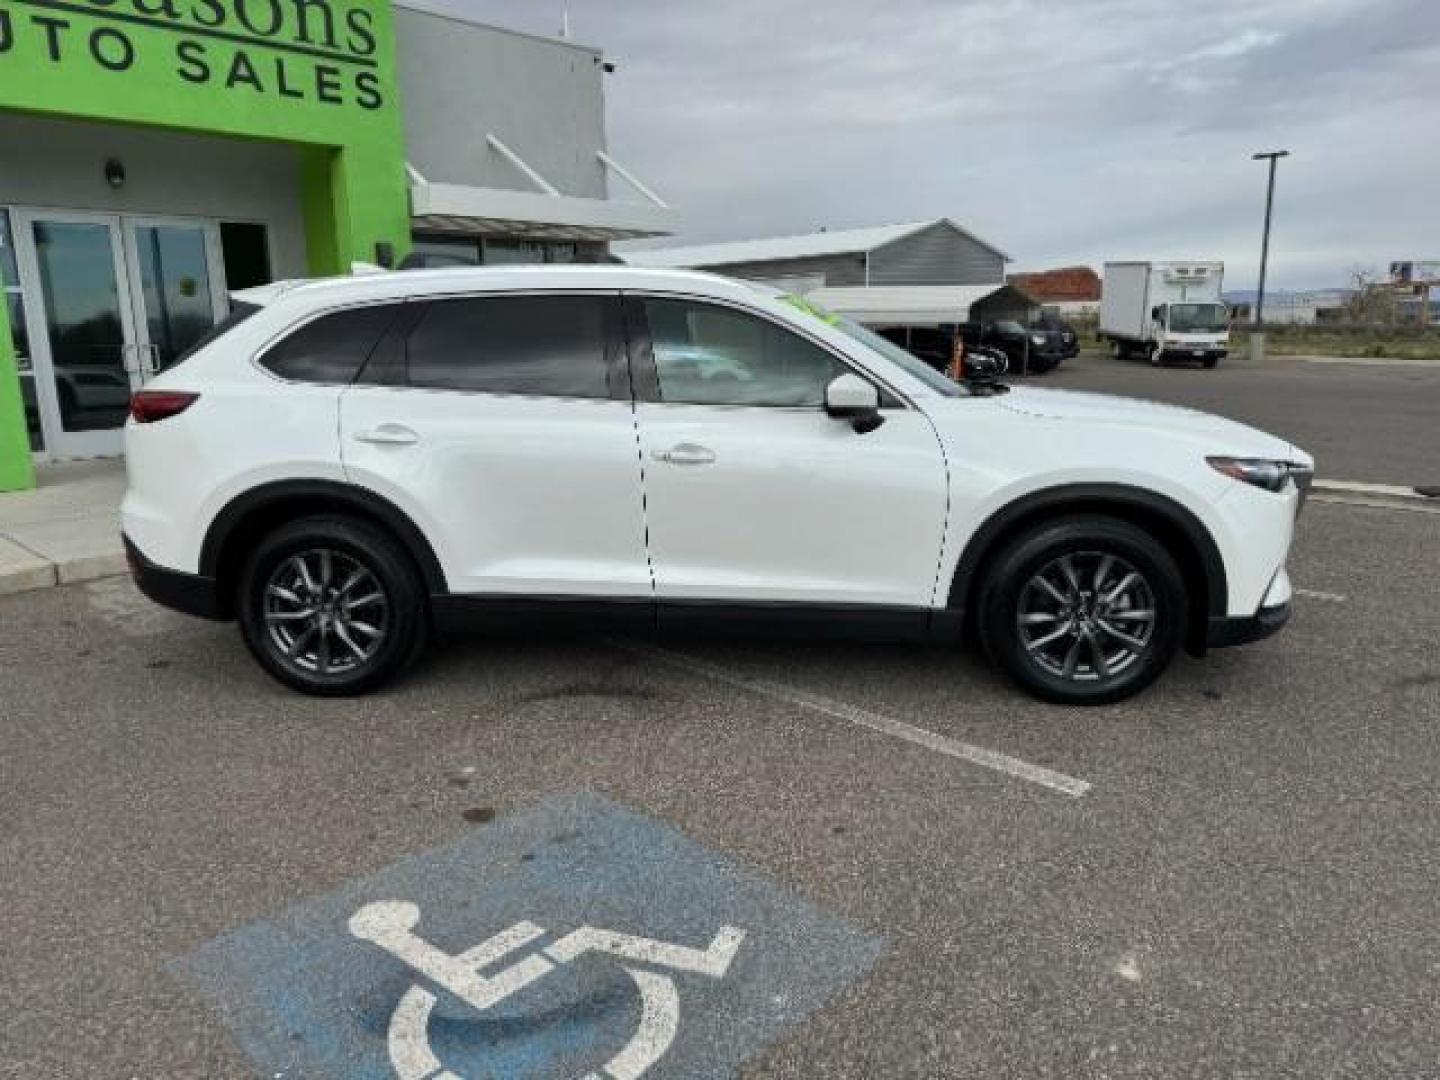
x: 462, y: 614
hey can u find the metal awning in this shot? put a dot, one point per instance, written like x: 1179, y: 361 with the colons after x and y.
x: 922, y: 305
x: 544, y: 214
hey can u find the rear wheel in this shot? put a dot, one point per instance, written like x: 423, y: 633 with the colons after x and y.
x: 1211, y: 361
x: 332, y: 606
x: 1083, y: 610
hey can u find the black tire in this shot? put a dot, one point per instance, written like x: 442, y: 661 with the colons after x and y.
x: 1011, y: 593
x: 353, y: 661
x: 1211, y: 362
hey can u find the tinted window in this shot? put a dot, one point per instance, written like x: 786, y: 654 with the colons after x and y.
x: 707, y: 355
x: 546, y: 345
x: 332, y: 348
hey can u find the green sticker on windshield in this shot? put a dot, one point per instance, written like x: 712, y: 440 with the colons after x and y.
x: 827, y: 317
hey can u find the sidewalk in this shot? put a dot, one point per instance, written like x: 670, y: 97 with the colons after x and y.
x: 66, y: 530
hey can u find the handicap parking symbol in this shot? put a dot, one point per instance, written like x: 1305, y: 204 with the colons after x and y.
x: 575, y: 940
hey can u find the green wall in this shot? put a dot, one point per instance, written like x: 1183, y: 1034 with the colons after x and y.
x: 318, y: 73
x: 16, y: 471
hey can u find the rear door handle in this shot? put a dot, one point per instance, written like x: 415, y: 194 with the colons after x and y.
x: 388, y: 435
x: 685, y: 454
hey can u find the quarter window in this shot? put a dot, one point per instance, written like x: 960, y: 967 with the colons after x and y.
x: 551, y: 346
x: 708, y: 355
x: 333, y: 348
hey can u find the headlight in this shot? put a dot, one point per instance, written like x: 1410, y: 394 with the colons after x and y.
x: 1270, y: 475
x: 1037, y: 339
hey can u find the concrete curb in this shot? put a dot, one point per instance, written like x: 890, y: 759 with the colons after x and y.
x: 1382, y: 496
x: 1370, y: 361
x: 24, y: 571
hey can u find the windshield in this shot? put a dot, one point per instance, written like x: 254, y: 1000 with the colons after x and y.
x: 1198, y: 318
x: 910, y: 364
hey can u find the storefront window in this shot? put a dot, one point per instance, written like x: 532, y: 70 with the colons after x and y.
x: 245, y: 248
x: 430, y: 252
x: 506, y: 251
x: 15, y: 305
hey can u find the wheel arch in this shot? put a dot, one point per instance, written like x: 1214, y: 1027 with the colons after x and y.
x: 1182, y: 533
x: 250, y: 515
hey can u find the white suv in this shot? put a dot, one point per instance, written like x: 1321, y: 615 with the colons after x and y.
x: 349, y: 466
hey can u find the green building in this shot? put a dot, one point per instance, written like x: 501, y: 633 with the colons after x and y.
x: 156, y: 155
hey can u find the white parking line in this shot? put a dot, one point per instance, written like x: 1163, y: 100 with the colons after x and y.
x: 976, y: 755
x: 1316, y: 594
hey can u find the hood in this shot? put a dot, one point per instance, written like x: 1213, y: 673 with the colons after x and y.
x: 1220, y: 435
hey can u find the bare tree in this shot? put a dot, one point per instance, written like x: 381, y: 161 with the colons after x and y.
x: 1372, y: 301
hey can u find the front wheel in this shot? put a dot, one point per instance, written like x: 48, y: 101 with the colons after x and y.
x: 1083, y: 610
x: 331, y: 606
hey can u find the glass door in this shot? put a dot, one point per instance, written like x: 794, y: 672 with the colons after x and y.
x: 112, y: 301
x: 178, y: 274
x: 82, y: 330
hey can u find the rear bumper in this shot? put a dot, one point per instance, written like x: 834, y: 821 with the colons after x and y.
x: 1244, y: 629
x: 190, y: 594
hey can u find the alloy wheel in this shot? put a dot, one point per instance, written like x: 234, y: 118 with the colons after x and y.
x: 325, y: 611
x: 1087, y: 617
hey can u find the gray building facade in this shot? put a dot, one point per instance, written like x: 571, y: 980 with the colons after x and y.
x: 917, y: 254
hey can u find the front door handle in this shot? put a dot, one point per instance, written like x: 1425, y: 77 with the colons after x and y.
x: 388, y: 435
x: 685, y: 454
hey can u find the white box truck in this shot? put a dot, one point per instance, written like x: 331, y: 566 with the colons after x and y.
x: 1166, y: 311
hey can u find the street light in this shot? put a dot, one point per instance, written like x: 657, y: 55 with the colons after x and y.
x: 1272, y: 156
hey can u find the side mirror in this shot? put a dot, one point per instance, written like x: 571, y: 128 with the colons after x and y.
x: 849, y: 397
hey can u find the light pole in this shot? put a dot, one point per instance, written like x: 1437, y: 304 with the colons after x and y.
x: 1257, y: 336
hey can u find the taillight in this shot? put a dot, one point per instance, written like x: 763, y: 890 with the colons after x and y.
x: 148, y: 406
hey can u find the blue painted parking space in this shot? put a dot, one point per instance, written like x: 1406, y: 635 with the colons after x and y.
x: 575, y: 939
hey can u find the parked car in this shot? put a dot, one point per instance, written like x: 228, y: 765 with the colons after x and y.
x: 457, y: 449
x: 1031, y: 350
x: 1069, y: 336
x: 936, y: 344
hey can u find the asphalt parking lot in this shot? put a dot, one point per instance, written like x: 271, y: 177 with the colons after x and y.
x: 1234, y: 875
x: 1368, y: 422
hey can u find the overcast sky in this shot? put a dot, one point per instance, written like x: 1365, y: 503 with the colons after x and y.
x: 1062, y: 131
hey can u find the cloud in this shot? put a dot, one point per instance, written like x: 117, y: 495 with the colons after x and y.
x: 1064, y: 132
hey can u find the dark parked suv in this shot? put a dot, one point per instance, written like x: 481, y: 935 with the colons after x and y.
x: 1032, y: 351
x: 1069, y: 337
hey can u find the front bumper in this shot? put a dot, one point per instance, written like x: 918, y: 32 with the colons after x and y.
x: 1183, y: 352
x: 190, y: 594
x: 1244, y: 629
x: 1269, y: 619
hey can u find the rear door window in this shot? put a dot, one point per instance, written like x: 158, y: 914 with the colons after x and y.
x: 551, y: 346
x: 333, y: 348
